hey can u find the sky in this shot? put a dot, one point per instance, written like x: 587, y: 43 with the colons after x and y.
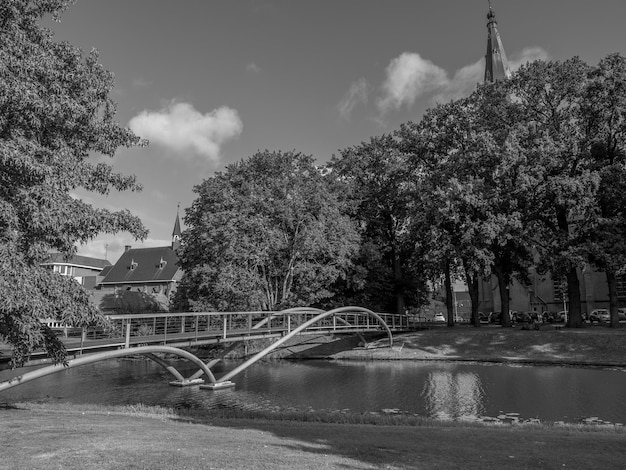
x: 211, y: 82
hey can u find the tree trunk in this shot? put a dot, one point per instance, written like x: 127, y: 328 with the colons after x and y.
x: 472, y: 287
x: 449, y: 293
x: 397, y: 279
x: 574, y: 319
x: 503, y: 287
x: 611, y: 280
x: 473, y: 293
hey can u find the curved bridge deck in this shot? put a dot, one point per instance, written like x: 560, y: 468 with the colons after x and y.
x: 152, y: 333
x: 198, y: 328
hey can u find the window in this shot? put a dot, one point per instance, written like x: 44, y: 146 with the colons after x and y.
x: 559, y: 287
x: 64, y: 270
x: 621, y: 286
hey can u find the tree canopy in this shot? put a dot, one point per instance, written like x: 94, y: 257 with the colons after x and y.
x: 528, y: 170
x: 55, y: 111
x: 383, y: 193
x: 270, y: 232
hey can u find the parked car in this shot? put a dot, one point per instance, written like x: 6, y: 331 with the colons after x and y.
x: 494, y: 317
x: 599, y: 315
x: 417, y: 319
x: 483, y: 317
x: 554, y: 317
x: 526, y: 317
x: 439, y: 318
x: 604, y: 315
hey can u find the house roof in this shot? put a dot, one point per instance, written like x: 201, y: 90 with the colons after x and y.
x: 78, y: 260
x: 106, y: 270
x: 137, y: 265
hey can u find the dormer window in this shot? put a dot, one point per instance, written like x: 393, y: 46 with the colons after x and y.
x: 133, y: 265
x: 162, y: 263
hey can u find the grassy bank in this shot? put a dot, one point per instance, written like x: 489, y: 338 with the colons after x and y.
x: 593, y: 345
x: 38, y: 437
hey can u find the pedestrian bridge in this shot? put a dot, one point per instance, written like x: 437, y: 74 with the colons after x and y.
x: 150, y: 334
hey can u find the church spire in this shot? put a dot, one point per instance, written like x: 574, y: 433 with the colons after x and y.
x: 496, y: 65
x: 176, y: 233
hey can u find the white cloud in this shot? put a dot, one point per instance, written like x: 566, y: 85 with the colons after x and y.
x: 253, y: 68
x: 528, y: 54
x: 180, y: 127
x: 408, y: 77
x: 463, y: 83
x: 355, y: 95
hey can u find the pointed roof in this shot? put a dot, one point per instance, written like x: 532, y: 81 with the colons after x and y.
x: 496, y: 64
x: 176, y: 232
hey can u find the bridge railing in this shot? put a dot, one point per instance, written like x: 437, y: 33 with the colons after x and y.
x: 171, y: 327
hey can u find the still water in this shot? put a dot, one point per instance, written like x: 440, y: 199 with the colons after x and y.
x: 450, y: 391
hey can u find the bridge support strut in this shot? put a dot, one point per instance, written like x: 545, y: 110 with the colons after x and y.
x: 219, y: 385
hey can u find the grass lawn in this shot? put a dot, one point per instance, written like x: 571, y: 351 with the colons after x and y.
x: 46, y: 438
x: 592, y: 345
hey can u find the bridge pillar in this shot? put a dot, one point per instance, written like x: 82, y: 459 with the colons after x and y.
x: 219, y: 385
x: 187, y: 382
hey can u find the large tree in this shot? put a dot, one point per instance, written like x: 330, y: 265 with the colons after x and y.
x: 470, y: 152
x: 55, y: 112
x: 605, y: 106
x: 560, y: 183
x: 383, y: 190
x: 268, y: 233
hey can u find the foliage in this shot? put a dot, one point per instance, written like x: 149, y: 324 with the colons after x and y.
x: 382, y: 193
x: 605, y: 237
x: 127, y: 302
x: 270, y: 232
x: 561, y: 182
x: 54, y: 112
x: 533, y: 165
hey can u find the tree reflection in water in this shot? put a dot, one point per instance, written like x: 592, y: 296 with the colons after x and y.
x: 453, y: 395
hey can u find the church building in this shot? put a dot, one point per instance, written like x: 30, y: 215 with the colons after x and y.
x: 150, y: 271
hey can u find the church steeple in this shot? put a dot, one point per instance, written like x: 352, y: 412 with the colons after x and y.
x: 496, y: 65
x: 176, y: 233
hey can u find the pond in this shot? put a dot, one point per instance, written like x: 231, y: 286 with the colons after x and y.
x: 441, y: 390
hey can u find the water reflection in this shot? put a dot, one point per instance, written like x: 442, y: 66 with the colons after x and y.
x: 453, y: 395
x: 451, y: 391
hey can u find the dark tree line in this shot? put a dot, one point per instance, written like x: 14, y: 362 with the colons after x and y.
x: 524, y: 172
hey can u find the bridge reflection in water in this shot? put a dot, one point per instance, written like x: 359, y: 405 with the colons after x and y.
x: 150, y: 334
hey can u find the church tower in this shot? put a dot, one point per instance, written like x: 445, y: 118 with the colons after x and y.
x: 496, y: 65
x: 176, y: 233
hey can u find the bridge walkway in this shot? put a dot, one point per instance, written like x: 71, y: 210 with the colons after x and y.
x: 151, y: 333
